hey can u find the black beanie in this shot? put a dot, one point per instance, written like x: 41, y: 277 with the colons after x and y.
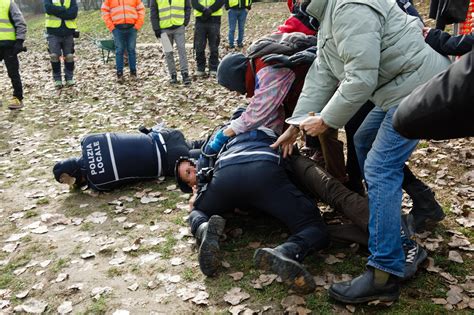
x: 231, y: 72
x: 71, y: 166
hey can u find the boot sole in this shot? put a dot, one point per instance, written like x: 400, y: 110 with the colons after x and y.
x: 291, y: 272
x: 388, y: 297
x: 209, y: 251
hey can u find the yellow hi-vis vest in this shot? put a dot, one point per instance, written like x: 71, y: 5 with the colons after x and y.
x: 207, y: 4
x: 7, y: 30
x: 170, y: 14
x: 53, y: 21
x: 235, y: 3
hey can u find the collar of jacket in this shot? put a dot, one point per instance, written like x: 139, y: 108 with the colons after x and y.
x: 316, y: 8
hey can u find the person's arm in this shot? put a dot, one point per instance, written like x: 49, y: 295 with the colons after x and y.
x: 187, y: 12
x: 358, y: 39
x: 141, y: 15
x: 155, y: 18
x: 18, y: 22
x: 71, y: 12
x: 226, y: 5
x: 272, y: 87
x: 105, y: 8
x: 446, y: 44
x: 216, y: 5
x: 51, y: 9
x: 197, y: 6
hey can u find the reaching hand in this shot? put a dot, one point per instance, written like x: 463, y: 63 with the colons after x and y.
x: 158, y: 34
x: 286, y: 141
x: 313, y: 126
x: 217, y: 143
x: 426, y: 30
x: 18, y: 46
x: 281, y: 61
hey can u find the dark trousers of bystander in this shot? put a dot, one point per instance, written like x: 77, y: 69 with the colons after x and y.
x: 13, y: 70
x: 207, y: 32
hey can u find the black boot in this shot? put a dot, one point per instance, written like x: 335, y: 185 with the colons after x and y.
x: 364, y: 289
x: 426, y: 210
x: 284, y: 260
x: 414, y: 253
x: 186, y: 78
x: 207, y: 236
x: 174, y: 78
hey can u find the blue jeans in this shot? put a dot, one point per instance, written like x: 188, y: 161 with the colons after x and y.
x: 382, y: 153
x: 125, y: 39
x: 237, y: 16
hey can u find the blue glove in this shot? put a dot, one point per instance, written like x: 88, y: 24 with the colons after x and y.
x: 217, y: 143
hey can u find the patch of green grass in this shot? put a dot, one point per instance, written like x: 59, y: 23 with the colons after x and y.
x: 468, y: 232
x: 87, y: 226
x: 455, y: 269
x: 98, y: 307
x: 59, y: 264
x: 423, y: 144
x: 166, y: 248
x: 320, y: 303
x: 43, y: 201
x: 30, y: 214
x: 189, y: 274
x: 115, y: 272
x: 7, y: 278
x: 180, y: 221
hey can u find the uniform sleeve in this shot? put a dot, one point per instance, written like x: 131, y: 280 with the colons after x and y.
x: 154, y: 16
x: 272, y: 86
x: 105, y: 9
x: 141, y: 15
x: 197, y: 6
x: 216, y: 5
x: 18, y: 21
x: 358, y: 41
x: 51, y: 9
x: 187, y: 12
x: 71, y: 12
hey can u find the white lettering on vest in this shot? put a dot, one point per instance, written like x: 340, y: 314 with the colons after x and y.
x: 94, y: 158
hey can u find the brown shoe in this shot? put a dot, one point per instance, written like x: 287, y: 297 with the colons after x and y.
x: 15, y: 103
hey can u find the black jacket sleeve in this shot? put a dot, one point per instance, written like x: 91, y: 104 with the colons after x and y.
x: 216, y: 5
x: 446, y: 44
x: 51, y: 9
x: 154, y: 16
x: 187, y: 12
x: 197, y: 6
x: 71, y: 12
x: 442, y: 108
x: 226, y: 4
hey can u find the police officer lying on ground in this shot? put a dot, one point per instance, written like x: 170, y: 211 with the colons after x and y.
x: 248, y: 174
x: 112, y: 159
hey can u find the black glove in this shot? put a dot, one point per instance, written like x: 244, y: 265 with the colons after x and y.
x: 281, y: 61
x: 302, y: 57
x: 18, y: 46
x: 158, y: 34
x: 206, y: 14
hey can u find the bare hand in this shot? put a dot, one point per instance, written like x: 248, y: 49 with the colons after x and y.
x: 286, y: 141
x: 313, y: 126
x: 426, y: 30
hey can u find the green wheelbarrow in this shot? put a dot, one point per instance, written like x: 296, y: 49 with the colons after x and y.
x: 106, y: 45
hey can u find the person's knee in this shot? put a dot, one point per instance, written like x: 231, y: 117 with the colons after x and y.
x: 69, y: 58
x: 54, y: 57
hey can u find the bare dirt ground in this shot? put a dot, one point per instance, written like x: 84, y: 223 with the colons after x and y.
x: 130, y: 250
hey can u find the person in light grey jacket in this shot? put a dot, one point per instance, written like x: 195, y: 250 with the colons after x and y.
x: 368, y: 50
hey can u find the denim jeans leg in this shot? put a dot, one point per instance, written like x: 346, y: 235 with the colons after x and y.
x: 119, y: 49
x: 366, y: 133
x: 383, y: 171
x: 232, y: 24
x: 241, y: 20
x: 131, y: 44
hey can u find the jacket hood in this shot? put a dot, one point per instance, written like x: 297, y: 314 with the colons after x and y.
x: 316, y: 8
x: 231, y: 72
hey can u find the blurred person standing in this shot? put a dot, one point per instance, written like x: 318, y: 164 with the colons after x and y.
x: 237, y: 14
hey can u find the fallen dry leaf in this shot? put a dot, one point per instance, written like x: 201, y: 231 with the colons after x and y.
x: 235, y: 295
x: 236, y: 276
x: 455, y: 256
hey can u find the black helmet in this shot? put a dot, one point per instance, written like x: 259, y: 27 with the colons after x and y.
x: 181, y: 184
x: 71, y: 166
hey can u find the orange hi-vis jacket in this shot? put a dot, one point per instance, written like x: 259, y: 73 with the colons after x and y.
x: 115, y: 12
